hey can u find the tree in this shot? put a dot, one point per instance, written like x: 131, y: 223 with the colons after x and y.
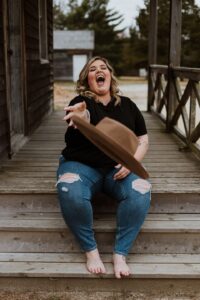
x: 94, y: 15
x: 190, y: 34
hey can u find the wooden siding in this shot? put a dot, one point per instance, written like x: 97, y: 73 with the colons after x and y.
x: 37, y: 75
x: 39, y: 98
x: 4, y: 131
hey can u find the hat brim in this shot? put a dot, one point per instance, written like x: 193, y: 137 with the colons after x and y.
x: 110, y: 147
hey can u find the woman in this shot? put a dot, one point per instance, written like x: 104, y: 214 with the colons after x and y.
x: 84, y: 170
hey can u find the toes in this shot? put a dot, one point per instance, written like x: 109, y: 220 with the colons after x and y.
x: 91, y: 270
x: 126, y: 273
x: 102, y: 270
x: 120, y: 273
x: 117, y: 275
x: 96, y: 270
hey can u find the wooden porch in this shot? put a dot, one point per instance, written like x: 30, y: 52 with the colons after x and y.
x: 36, y: 245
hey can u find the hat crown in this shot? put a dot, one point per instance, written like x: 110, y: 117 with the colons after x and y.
x: 119, y: 133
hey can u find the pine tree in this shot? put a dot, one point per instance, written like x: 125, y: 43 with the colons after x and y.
x: 190, y: 34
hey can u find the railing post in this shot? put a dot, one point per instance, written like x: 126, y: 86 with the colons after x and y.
x: 174, y: 55
x: 152, y: 46
x: 150, y: 89
x: 192, y: 117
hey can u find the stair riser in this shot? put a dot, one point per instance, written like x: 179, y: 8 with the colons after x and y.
x: 151, y: 243
x: 100, y: 288
x: 161, y: 203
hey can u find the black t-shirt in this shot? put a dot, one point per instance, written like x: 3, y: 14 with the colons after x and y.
x: 79, y: 148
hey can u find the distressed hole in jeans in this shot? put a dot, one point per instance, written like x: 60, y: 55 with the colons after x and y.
x: 142, y: 186
x: 68, y: 178
x: 64, y: 189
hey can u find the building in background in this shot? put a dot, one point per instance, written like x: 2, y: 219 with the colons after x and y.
x: 72, y: 48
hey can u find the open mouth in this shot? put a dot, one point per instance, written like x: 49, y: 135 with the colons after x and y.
x: 100, y: 79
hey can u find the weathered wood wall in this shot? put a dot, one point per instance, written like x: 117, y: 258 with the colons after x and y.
x: 4, y: 130
x: 39, y: 75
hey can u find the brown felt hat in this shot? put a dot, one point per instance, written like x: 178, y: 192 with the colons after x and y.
x: 115, y: 140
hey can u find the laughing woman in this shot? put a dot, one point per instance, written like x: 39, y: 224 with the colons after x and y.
x: 85, y: 170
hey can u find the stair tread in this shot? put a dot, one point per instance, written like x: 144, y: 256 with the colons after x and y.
x: 98, y: 216
x: 47, y: 188
x: 153, y: 223
x: 69, y: 257
x: 61, y: 265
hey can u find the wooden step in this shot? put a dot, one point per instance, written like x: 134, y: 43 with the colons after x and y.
x: 73, y: 265
x: 46, y: 232
x: 64, y: 276
x: 38, y: 202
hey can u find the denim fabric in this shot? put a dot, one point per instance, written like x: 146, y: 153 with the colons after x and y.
x: 76, y: 191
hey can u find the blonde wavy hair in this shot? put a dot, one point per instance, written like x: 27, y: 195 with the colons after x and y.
x: 83, y: 89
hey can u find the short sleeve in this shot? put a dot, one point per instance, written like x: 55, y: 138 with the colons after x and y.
x: 140, y: 126
x: 76, y: 100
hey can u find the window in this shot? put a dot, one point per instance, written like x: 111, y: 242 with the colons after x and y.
x: 43, y: 42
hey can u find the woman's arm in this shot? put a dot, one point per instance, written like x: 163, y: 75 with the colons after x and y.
x: 139, y: 155
x: 142, y: 147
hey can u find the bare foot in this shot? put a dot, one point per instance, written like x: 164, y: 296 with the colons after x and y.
x: 120, y: 265
x: 94, y: 263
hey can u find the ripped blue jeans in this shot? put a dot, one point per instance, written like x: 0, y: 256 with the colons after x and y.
x: 76, y: 189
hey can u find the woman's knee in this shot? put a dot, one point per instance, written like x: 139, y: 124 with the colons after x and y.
x: 71, y: 190
x: 140, y: 193
x: 142, y: 186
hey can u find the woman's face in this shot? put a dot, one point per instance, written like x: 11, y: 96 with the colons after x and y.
x: 99, y: 78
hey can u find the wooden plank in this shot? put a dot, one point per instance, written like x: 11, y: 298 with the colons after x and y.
x: 51, y: 189
x: 157, y: 185
x: 164, y: 167
x: 177, y: 177
x: 48, y: 187
x: 148, y: 164
x: 51, y: 181
x: 153, y: 226
x: 160, y: 203
x: 42, y: 215
x: 80, y: 258
x: 184, y: 72
x: 63, y: 241
x: 137, y: 270
x: 52, y: 158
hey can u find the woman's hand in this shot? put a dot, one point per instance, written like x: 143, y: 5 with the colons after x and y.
x: 122, y: 173
x: 79, y: 110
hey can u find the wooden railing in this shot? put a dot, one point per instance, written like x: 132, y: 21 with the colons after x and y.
x: 174, y: 96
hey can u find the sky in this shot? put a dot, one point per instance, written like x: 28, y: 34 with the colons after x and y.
x: 128, y: 8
